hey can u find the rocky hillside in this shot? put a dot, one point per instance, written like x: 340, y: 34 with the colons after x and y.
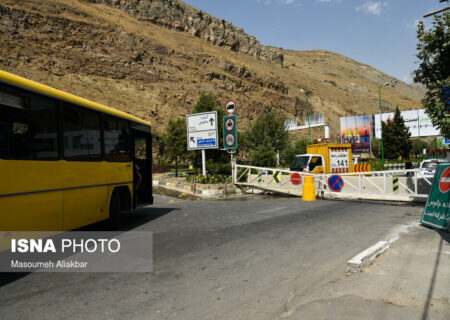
x: 153, y: 58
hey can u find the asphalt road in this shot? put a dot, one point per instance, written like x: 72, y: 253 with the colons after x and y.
x: 248, y: 259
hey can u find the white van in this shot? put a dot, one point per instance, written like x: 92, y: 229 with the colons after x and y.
x: 428, y: 167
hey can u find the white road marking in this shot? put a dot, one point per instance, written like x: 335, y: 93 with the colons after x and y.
x: 274, y: 209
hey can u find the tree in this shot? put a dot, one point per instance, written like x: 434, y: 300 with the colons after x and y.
x: 175, y: 141
x: 417, y: 147
x: 265, y: 137
x: 299, y: 147
x: 396, y: 137
x: 434, y: 68
x: 376, y: 147
x: 264, y: 155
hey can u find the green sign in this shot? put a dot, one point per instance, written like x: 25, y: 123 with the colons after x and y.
x: 230, y: 132
x: 437, y: 210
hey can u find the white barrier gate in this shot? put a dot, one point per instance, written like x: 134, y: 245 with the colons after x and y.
x: 370, y: 185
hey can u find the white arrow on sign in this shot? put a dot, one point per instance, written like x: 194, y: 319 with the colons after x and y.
x: 201, y: 122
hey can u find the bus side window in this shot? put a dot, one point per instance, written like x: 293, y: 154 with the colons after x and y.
x: 117, y: 140
x: 28, y: 131
x: 81, y: 134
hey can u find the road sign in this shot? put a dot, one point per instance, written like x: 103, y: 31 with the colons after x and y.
x: 202, y: 132
x: 447, y: 141
x: 230, y: 140
x: 339, y: 160
x: 444, y: 181
x: 230, y: 107
x: 296, y: 178
x: 230, y: 132
x: 230, y: 124
x: 336, y: 183
x: 437, y: 209
x: 276, y: 176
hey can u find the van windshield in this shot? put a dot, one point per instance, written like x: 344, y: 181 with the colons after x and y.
x: 429, y: 165
x: 299, y: 163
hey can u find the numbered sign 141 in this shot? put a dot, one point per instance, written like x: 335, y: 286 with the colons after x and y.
x: 339, y: 159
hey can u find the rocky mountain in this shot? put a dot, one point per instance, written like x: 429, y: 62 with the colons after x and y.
x: 153, y: 58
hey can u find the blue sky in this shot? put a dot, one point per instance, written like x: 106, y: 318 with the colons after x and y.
x: 379, y: 33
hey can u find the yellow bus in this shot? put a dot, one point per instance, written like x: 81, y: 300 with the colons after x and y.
x: 66, y: 162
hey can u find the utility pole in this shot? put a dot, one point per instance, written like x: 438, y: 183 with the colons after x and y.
x: 307, y: 110
x: 381, y: 123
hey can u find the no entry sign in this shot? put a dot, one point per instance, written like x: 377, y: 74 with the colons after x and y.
x: 437, y: 209
x: 296, y: 178
x: 444, y: 181
x: 336, y: 183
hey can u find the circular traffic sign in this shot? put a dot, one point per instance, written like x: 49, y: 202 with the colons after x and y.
x: 229, y: 124
x: 230, y: 107
x: 296, y: 178
x: 230, y: 139
x: 444, y: 181
x: 336, y: 183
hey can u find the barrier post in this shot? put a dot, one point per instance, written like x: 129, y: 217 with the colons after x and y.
x: 395, y: 184
x: 309, y: 190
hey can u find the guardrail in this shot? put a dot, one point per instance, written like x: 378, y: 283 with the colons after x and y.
x: 407, y: 183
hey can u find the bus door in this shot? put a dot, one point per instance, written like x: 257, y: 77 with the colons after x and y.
x: 142, y: 168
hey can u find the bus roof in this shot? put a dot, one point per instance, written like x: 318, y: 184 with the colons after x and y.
x: 41, y: 88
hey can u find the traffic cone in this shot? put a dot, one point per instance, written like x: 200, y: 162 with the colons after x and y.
x: 309, y: 191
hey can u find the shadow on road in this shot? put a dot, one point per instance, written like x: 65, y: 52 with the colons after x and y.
x: 128, y: 222
x: 445, y: 237
x: 132, y: 220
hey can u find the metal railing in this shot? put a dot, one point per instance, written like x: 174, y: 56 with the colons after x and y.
x: 409, y: 183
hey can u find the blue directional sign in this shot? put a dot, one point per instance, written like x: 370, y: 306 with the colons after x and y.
x: 446, y: 141
x: 336, y: 183
x: 206, y: 142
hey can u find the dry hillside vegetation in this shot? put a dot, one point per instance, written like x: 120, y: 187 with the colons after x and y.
x: 157, y: 71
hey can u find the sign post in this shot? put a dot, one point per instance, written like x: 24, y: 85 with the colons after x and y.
x: 202, y: 133
x: 230, y: 132
x: 437, y: 210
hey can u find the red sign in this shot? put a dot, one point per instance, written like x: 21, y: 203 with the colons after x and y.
x: 230, y: 107
x: 444, y: 181
x: 296, y: 178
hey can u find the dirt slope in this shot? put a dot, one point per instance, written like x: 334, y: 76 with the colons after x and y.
x: 157, y: 71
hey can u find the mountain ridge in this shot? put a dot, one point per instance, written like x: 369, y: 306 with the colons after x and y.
x: 102, y: 53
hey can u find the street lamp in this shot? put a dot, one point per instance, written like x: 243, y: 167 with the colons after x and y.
x: 307, y: 110
x: 381, y: 120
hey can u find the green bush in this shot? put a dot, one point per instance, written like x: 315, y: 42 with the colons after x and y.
x: 210, y: 179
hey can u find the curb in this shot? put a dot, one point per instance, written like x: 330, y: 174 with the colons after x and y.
x: 199, y: 192
x: 367, y: 257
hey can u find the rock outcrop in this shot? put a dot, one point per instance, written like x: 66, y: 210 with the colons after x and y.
x: 176, y: 15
